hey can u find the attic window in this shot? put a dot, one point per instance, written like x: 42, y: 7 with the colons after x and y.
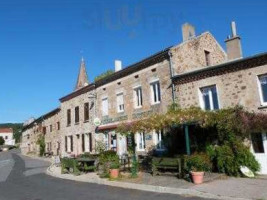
x: 207, y: 58
x: 104, y: 89
x: 119, y: 83
x: 153, y: 70
x: 136, y: 76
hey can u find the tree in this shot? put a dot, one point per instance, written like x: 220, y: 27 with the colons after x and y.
x: 104, y: 74
x: 2, y: 141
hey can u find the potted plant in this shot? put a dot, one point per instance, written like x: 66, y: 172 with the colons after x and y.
x: 197, y: 164
x: 114, y: 169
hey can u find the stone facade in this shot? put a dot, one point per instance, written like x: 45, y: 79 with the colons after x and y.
x: 51, y: 129
x: 235, y: 88
x: 126, y: 85
x: 82, y: 131
x: 190, y: 55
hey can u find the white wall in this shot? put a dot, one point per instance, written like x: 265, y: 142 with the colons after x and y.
x: 8, y: 137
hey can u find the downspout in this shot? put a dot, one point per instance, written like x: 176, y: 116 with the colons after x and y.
x: 171, y: 76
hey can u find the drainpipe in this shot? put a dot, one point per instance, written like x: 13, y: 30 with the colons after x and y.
x: 171, y: 76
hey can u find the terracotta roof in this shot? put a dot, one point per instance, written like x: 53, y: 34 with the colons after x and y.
x: 228, y: 67
x: 6, y: 130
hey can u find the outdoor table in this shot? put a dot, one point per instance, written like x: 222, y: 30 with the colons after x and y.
x: 86, y: 163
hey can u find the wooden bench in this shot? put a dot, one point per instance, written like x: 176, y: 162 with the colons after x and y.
x: 166, y: 163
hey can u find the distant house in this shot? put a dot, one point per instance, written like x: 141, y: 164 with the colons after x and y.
x: 7, y: 134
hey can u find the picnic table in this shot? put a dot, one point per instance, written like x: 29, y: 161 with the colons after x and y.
x: 166, y: 163
x: 86, y: 164
x: 77, y: 165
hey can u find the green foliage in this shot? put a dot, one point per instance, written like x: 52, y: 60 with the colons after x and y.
x: 69, y: 165
x: 108, y: 160
x: 229, y: 157
x: 100, y: 147
x: 104, y: 75
x: 2, y: 141
x: 88, y: 155
x: 41, y: 143
x: 17, y: 128
x: 198, y: 162
x: 135, y: 167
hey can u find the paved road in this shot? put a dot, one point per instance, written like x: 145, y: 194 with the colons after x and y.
x: 23, y: 178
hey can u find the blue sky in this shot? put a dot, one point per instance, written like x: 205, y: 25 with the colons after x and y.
x: 41, y: 42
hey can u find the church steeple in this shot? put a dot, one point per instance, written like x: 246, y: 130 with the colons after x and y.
x: 82, y: 80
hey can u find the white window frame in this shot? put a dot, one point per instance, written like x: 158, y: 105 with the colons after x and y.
x: 157, y: 138
x: 138, y: 99
x: 158, y: 92
x: 260, y: 89
x: 105, y: 113
x: 140, y: 139
x: 106, y: 141
x: 201, y: 100
x: 120, y: 107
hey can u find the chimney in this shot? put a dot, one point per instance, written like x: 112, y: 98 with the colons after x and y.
x: 233, y: 44
x: 188, y: 31
x: 118, y: 65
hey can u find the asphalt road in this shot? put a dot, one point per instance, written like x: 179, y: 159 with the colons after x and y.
x: 23, y: 178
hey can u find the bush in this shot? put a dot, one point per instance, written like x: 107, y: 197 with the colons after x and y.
x: 2, y: 141
x: 41, y: 143
x: 198, y: 162
x: 108, y: 160
x: 229, y: 157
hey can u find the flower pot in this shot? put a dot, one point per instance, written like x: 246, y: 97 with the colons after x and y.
x: 114, y: 173
x: 197, y: 177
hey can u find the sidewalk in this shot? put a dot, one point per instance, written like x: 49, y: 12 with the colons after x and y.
x: 230, y: 188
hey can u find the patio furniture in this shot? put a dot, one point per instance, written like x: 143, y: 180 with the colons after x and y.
x: 86, y: 164
x: 166, y: 163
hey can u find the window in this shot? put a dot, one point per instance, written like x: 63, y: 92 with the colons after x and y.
x: 120, y: 103
x: 263, y: 89
x: 83, y: 144
x: 44, y: 130
x: 158, y: 139
x: 155, y: 92
x: 51, y: 128
x: 66, y: 143
x: 86, y: 112
x: 105, y: 106
x: 207, y: 58
x: 68, y: 117
x: 257, y: 142
x: 138, y: 99
x: 209, y: 98
x: 141, y: 143
x: 106, y: 140
x: 77, y: 117
x: 90, y: 142
x: 58, y: 125
x: 6, y: 137
x: 71, y: 143
x: 113, y: 142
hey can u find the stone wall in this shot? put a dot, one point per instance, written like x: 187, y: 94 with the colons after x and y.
x: 235, y: 88
x: 126, y: 85
x: 190, y: 56
x: 53, y: 137
x: 77, y: 129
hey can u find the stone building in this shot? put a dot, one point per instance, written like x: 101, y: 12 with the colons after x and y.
x: 196, y: 72
x: 77, y: 116
x: 48, y: 125
x: 51, y: 128
x: 239, y: 81
x: 146, y: 87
